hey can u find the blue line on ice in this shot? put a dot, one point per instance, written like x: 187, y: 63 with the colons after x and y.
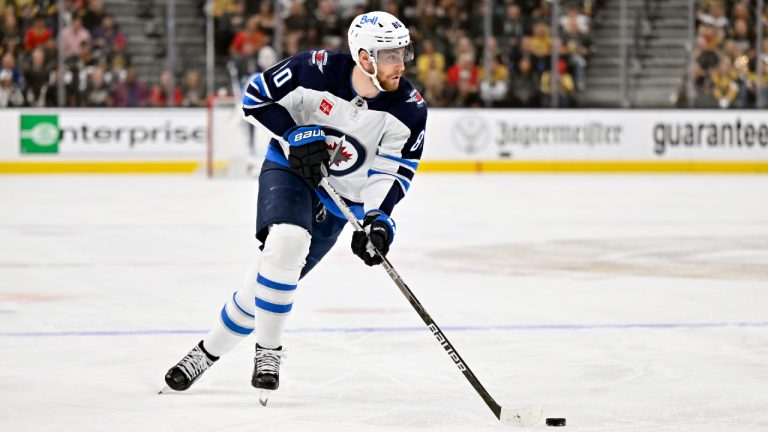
x: 514, y: 327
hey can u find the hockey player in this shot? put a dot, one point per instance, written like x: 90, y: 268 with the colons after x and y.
x: 352, y: 116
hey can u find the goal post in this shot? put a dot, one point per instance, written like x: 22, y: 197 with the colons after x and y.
x: 235, y: 148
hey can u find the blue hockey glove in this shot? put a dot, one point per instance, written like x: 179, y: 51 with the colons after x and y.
x: 379, y: 233
x: 307, y: 153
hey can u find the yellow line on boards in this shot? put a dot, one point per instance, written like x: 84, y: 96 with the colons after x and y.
x: 188, y: 167
x: 739, y: 167
x: 98, y: 167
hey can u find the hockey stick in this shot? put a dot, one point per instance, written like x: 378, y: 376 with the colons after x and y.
x: 527, y: 416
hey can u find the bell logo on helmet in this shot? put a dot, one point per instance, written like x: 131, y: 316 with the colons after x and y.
x: 365, y: 20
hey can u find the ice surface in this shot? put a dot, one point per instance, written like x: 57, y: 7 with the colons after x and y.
x: 623, y: 303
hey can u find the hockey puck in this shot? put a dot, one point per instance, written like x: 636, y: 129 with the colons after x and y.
x: 555, y: 422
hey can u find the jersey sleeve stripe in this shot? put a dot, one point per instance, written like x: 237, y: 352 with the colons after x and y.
x: 405, y: 172
x: 259, y: 82
x: 253, y: 92
x: 251, y: 101
x: 403, y: 182
x: 411, y: 164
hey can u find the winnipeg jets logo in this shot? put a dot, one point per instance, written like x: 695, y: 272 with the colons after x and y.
x: 347, y: 154
x: 340, y: 153
x: 416, y: 97
x: 319, y: 59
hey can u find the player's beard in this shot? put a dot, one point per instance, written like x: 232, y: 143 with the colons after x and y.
x: 386, y: 81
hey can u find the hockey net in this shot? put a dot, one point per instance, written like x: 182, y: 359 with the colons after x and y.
x: 234, y: 148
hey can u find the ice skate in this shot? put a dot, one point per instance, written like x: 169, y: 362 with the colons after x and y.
x: 189, y: 369
x: 266, y: 371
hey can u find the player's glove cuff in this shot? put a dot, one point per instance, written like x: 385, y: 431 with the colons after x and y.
x: 378, y: 217
x: 378, y: 233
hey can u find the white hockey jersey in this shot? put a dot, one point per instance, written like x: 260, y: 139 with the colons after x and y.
x: 380, y: 139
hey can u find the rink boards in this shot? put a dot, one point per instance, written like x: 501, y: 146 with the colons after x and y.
x: 456, y: 140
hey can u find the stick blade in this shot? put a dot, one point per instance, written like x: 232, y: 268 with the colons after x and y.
x: 527, y: 416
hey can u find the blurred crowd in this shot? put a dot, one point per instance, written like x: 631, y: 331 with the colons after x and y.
x: 97, y: 68
x: 449, y: 38
x: 724, y: 72
x: 456, y: 65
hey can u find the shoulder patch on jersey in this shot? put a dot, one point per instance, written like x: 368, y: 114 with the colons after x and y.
x: 319, y: 58
x: 415, y: 97
x: 326, y: 106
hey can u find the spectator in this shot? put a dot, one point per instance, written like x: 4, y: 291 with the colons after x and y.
x: 465, y: 95
x: 575, y: 45
x: 94, y: 15
x: 430, y: 67
x: 266, y: 58
x: 194, y: 94
x: 428, y: 60
x: 328, y: 24
x: 714, y: 16
x: 36, y: 35
x: 752, y: 78
x: 229, y: 21
x: 740, y: 35
x: 251, y: 34
x: 741, y: 11
x: 541, y: 46
x: 463, y: 85
x: 464, y: 70
x: 10, y: 92
x: 51, y: 50
x: 267, y: 19
x: 708, y: 43
x: 573, y: 13
x: 724, y: 84
x: 97, y: 93
x: 512, y: 30
x: 8, y: 62
x: 565, y: 90
x: 731, y: 50
x: 524, y: 88
x: 463, y: 46
x: 52, y: 92
x: 130, y: 92
x: 116, y: 63
x: 292, y: 43
x: 297, y: 20
x: 158, y: 96
x: 107, y: 37
x: 424, y: 12
x: 242, y: 66
x: 36, y: 77
x: 10, y: 33
x: 494, y: 90
x: 73, y: 36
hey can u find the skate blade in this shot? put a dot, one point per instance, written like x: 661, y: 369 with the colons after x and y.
x: 264, y: 397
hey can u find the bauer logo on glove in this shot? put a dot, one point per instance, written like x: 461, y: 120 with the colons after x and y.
x: 307, y: 153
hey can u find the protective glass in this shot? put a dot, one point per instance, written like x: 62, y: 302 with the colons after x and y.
x: 395, y: 55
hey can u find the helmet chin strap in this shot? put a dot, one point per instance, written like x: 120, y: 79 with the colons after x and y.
x: 372, y: 76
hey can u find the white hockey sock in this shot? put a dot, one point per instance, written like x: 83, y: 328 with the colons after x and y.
x: 283, y: 257
x: 236, y: 319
